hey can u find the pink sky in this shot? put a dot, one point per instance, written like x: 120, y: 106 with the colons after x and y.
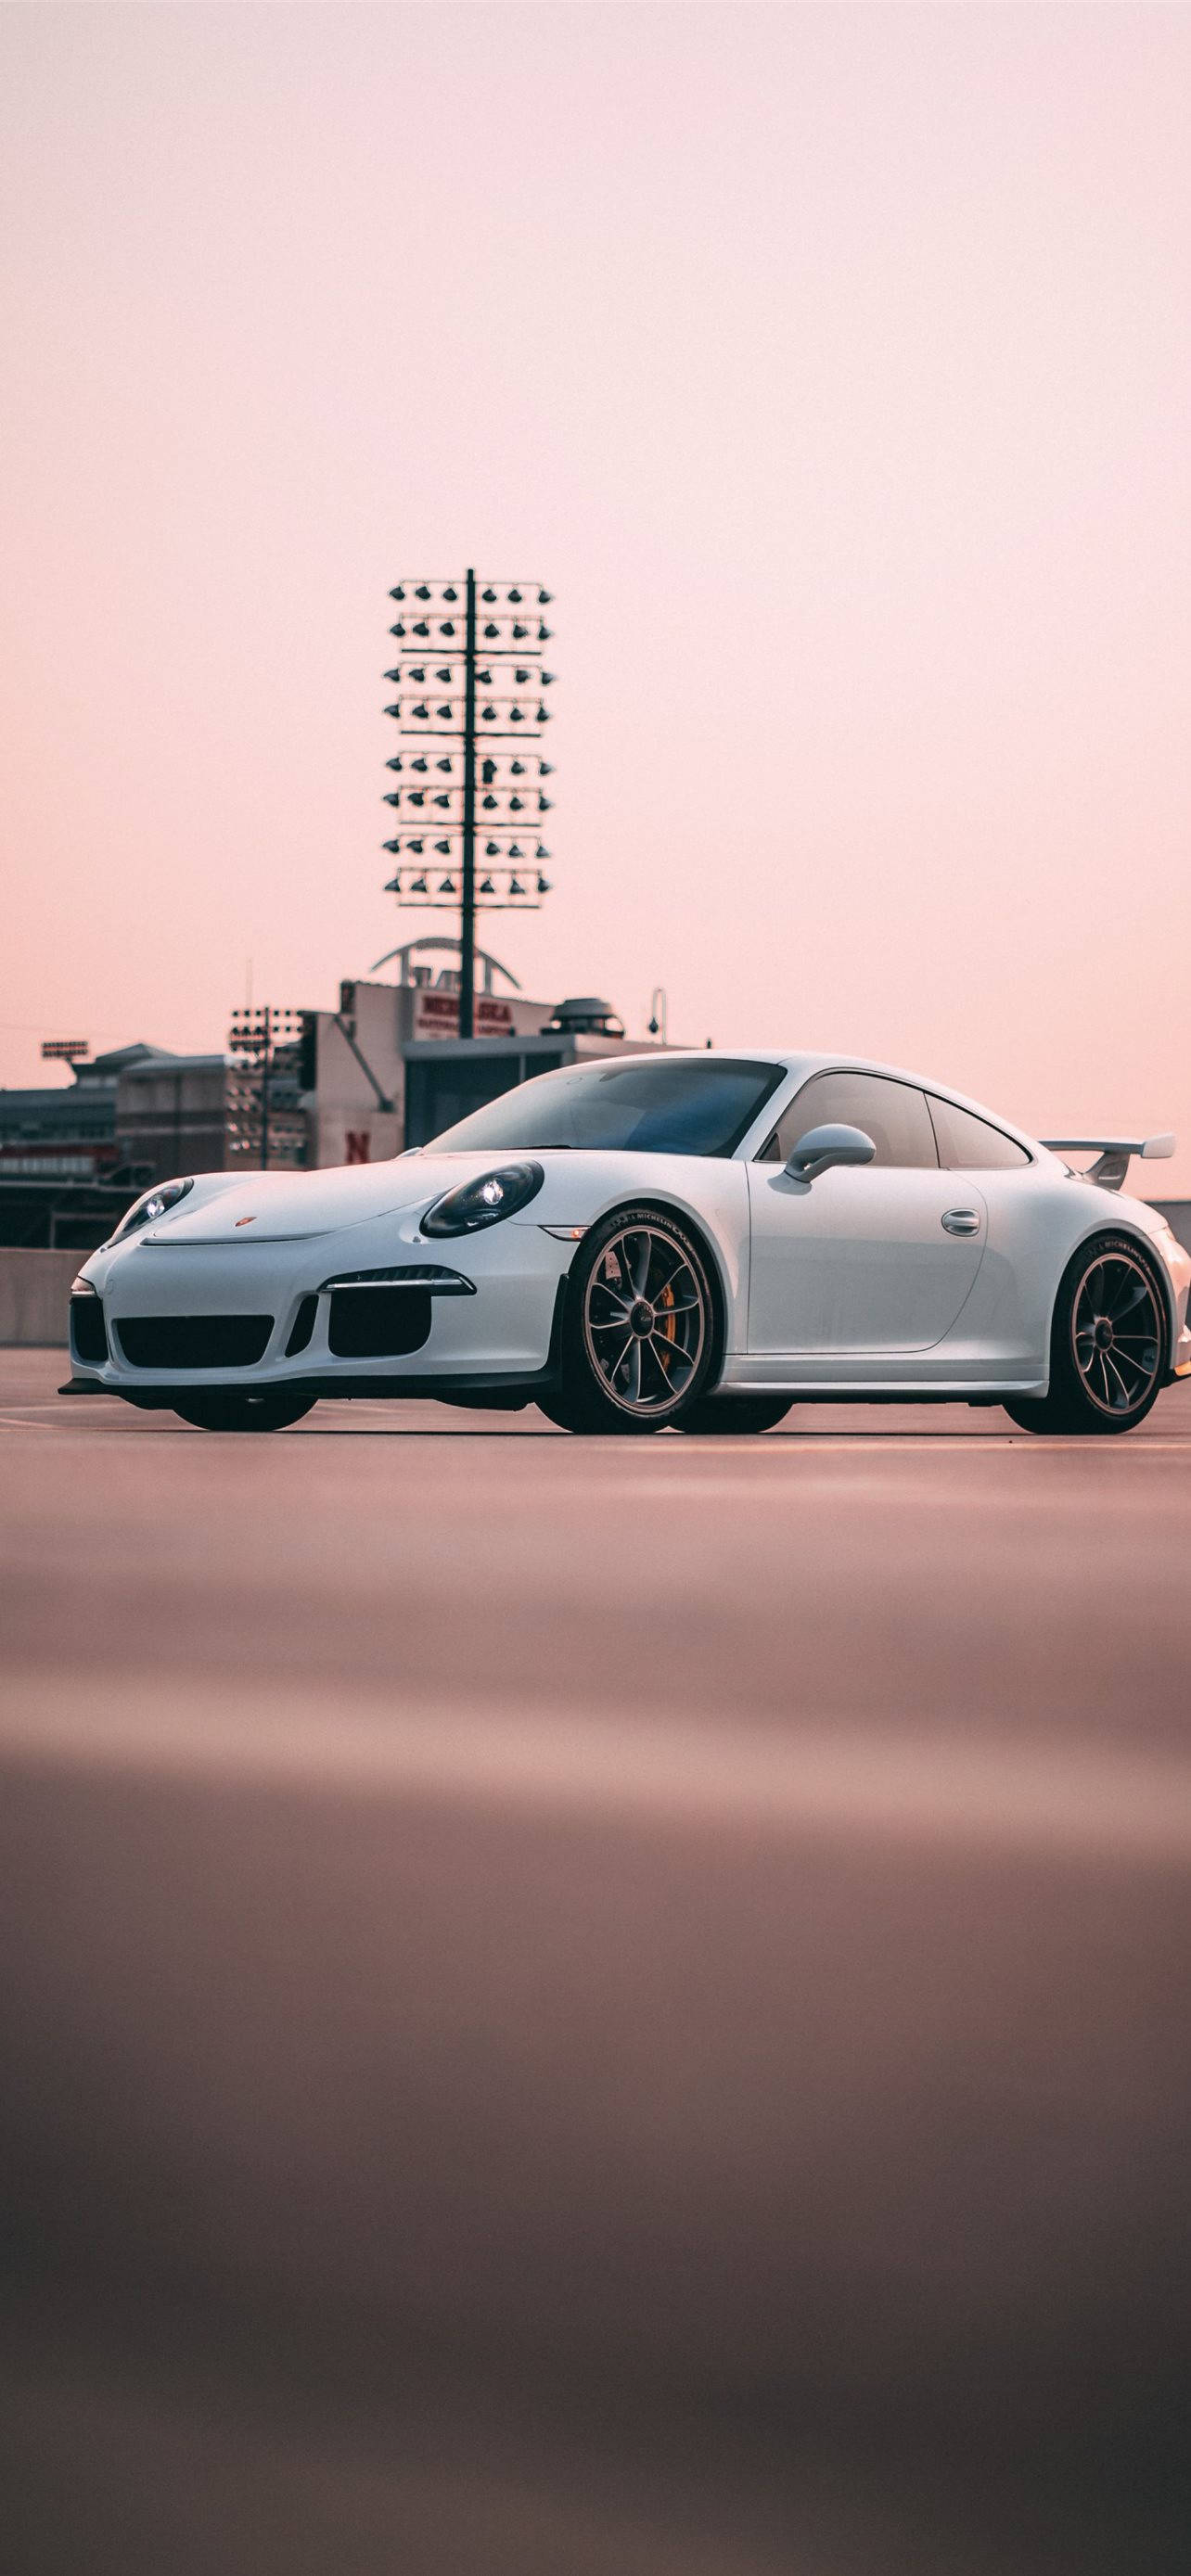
x: 830, y: 364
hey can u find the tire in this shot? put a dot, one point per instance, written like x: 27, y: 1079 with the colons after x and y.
x: 235, y: 1409
x: 736, y: 1413
x: 1108, y: 1343
x: 1034, y: 1413
x: 557, y: 1411
x: 641, y: 1274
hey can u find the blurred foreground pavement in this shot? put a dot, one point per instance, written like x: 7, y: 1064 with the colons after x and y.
x: 583, y: 2008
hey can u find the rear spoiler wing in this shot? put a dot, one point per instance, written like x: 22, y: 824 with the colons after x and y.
x: 1114, y: 1154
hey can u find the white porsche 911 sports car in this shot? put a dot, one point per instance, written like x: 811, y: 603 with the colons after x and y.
x: 697, y: 1239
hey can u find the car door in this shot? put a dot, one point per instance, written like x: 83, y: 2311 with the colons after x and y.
x: 871, y: 1261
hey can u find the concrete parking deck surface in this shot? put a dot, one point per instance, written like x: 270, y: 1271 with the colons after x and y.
x: 610, y: 2007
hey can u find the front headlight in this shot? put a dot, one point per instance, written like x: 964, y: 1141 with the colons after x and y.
x: 484, y: 1202
x: 154, y: 1204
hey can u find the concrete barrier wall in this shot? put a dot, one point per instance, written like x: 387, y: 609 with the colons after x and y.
x: 35, y: 1295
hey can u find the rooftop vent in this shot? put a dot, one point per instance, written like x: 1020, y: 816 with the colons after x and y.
x: 585, y: 1015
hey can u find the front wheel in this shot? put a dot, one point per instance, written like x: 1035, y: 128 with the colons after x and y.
x: 238, y: 1409
x: 1108, y: 1344
x: 559, y: 1412
x: 736, y: 1413
x: 639, y: 1330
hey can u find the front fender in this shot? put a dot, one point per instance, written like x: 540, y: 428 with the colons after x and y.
x: 709, y: 1196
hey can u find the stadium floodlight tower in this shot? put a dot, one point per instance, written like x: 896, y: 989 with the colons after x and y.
x: 269, y: 1069
x: 470, y: 680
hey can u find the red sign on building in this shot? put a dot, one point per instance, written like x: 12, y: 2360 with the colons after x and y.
x: 436, y: 1015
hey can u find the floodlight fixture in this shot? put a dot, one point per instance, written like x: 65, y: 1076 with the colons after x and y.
x: 496, y: 688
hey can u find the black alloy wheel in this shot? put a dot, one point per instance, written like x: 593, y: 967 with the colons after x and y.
x: 1108, y: 1344
x: 639, y: 1330
x: 223, y: 1408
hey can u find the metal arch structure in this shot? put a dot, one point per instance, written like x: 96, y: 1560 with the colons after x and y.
x: 483, y: 957
x: 472, y: 680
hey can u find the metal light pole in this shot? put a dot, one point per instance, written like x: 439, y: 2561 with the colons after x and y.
x: 467, y: 914
x: 451, y: 797
x: 266, y: 1055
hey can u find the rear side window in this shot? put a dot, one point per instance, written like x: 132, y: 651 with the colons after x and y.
x: 894, y: 1114
x: 969, y: 1144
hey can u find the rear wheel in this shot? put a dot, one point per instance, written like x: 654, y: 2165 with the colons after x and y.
x: 236, y: 1409
x: 639, y: 1329
x: 736, y: 1413
x: 1108, y: 1344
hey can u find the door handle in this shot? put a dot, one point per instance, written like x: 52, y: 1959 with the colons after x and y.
x: 960, y: 1221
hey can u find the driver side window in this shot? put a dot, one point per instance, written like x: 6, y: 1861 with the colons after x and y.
x: 894, y: 1114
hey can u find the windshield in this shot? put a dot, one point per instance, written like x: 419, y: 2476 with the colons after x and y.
x: 647, y: 1106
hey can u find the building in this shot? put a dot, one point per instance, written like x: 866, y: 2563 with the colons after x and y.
x: 171, y: 1112
x: 385, y: 1070
x: 73, y: 1156
x: 67, y: 1132
x: 391, y: 1070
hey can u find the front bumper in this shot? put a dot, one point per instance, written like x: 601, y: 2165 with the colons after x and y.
x: 491, y: 1318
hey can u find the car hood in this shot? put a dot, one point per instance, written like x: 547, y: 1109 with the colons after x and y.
x: 287, y: 1207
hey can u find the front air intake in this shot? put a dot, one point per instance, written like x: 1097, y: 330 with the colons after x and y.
x: 194, y: 1341
x: 378, y: 1323
x: 302, y: 1327
x: 89, y: 1340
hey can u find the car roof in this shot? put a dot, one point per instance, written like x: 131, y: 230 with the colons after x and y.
x: 840, y: 1060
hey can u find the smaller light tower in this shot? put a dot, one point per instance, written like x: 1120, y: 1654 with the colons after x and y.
x: 265, y: 1124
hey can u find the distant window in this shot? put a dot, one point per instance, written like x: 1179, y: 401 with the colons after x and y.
x: 894, y: 1114
x: 969, y: 1144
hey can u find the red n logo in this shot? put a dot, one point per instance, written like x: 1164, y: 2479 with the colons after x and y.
x: 358, y: 1140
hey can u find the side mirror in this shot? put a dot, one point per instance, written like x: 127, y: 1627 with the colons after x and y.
x: 821, y: 1147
